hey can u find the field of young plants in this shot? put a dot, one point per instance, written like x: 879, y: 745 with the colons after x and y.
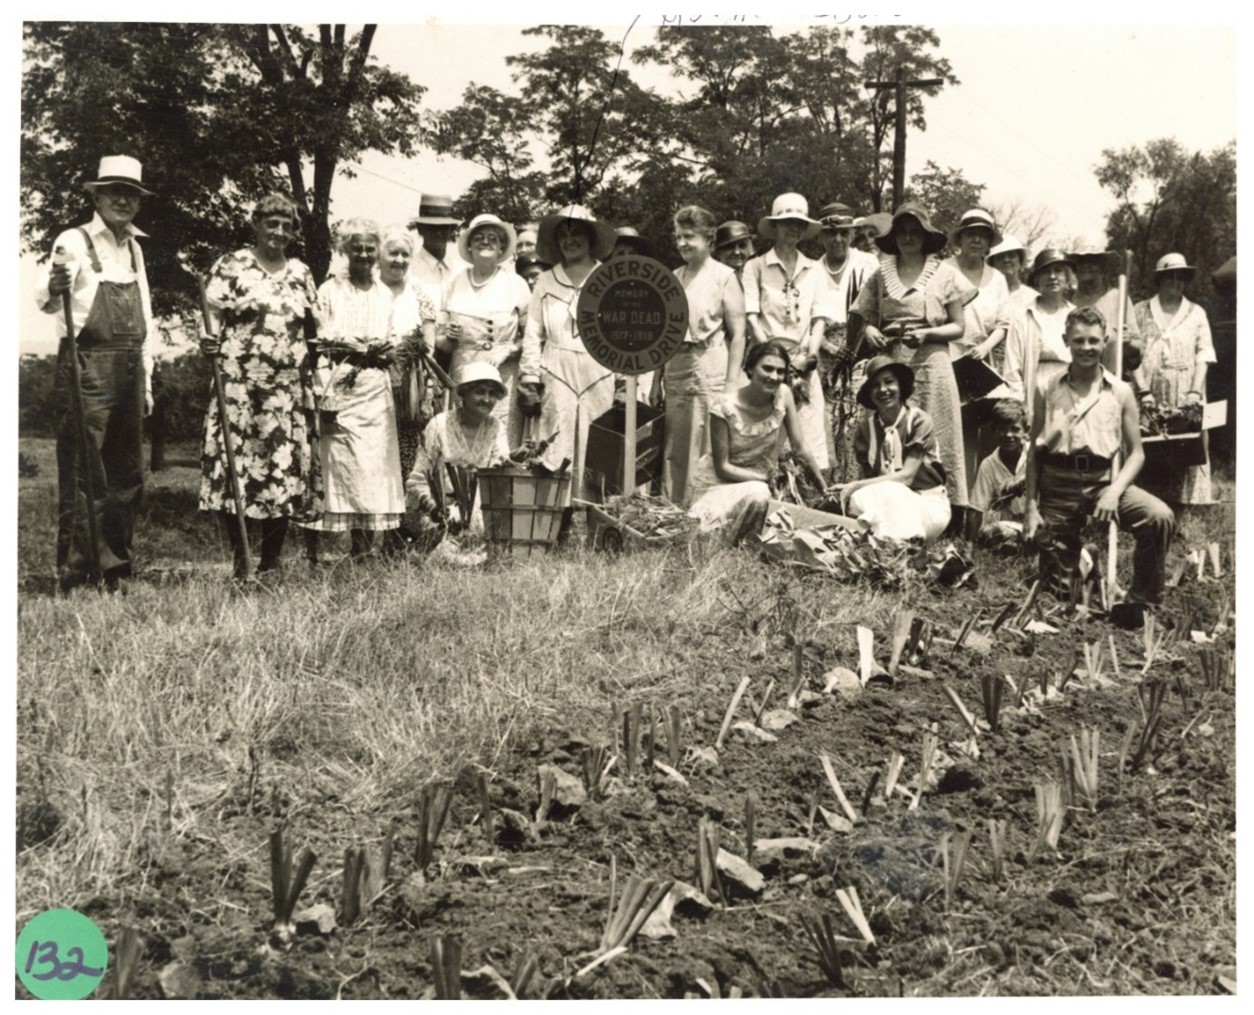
x: 686, y: 772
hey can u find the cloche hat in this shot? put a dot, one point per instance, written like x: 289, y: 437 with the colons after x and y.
x: 730, y: 232
x: 632, y: 238
x: 905, y: 379
x: 976, y: 218
x: 509, y: 238
x: 479, y: 370
x: 1048, y: 256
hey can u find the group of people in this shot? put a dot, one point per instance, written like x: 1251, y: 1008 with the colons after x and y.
x: 334, y: 412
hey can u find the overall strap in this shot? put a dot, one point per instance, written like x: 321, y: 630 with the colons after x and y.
x: 91, y: 251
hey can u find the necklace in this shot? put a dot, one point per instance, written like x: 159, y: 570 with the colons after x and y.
x: 480, y: 285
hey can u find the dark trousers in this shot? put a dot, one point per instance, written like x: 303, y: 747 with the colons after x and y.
x: 1067, y: 499
x: 113, y: 413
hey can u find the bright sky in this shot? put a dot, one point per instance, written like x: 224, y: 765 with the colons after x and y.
x: 1035, y: 107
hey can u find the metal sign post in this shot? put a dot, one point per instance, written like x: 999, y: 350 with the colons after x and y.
x: 632, y: 315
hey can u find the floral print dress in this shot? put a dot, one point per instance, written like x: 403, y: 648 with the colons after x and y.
x: 265, y: 378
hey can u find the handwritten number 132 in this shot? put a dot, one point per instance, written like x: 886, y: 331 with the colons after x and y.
x: 45, y: 953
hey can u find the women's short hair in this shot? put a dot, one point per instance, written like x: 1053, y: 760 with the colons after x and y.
x: 760, y: 350
x: 275, y: 203
x: 357, y: 227
x: 397, y: 234
x: 698, y: 219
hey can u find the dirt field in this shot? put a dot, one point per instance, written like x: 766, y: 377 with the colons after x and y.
x: 165, y: 734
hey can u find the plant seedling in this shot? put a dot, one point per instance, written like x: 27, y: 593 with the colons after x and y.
x: 1050, y: 813
x: 826, y: 950
x: 1114, y: 656
x: 641, y: 896
x: 869, y: 794
x: 486, y: 814
x: 286, y: 884
x: 997, y: 843
x: 1214, y: 665
x: 954, y: 857
x: 650, y: 740
x: 674, y: 743
x: 594, y: 765
x: 433, y: 804
x: 548, y: 786
x: 991, y: 690
x: 1185, y: 690
x: 866, y: 661
x: 966, y: 629
x: 798, y: 673
x: 845, y: 806
x: 708, y: 835
x: 1082, y: 767
x: 757, y: 712
x: 920, y: 644
x: 524, y: 973
x: 1028, y: 603
x: 731, y: 711
x: 1153, y: 641
x: 1212, y: 550
x: 353, y: 886
x: 127, y: 961
x: 1021, y: 687
x: 631, y: 738
x: 929, y: 753
x: 446, y: 966
x: 1093, y: 660
x: 1006, y: 612
x: 852, y: 905
x: 1157, y: 693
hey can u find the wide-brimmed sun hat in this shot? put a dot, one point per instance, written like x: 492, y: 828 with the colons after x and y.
x: 120, y: 171
x: 435, y: 210
x: 546, y: 234
x: 731, y: 232
x: 509, y: 239
x: 976, y: 218
x: 905, y: 379
x: 1090, y: 248
x: 785, y: 207
x: 1174, y: 262
x: 836, y: 217
x: 477, y: 371
x: 933, y: 239
x: 525, y: 261
x: 1008, y: 245
x: 1048, y: 256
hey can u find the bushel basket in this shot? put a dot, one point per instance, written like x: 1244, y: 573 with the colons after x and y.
x: 522, y: 510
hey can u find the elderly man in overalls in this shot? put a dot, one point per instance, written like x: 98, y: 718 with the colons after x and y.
x: 102, y: 268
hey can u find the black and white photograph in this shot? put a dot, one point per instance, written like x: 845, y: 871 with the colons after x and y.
x: 597, y: 505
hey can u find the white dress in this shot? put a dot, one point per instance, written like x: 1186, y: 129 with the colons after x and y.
x: 361, y: 464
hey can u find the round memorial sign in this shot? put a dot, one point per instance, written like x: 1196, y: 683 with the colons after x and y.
x: 632, y: 314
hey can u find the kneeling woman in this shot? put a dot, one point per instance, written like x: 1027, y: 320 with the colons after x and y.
x: 468, y: 437
x: 903, y: 495
x: 747, y: 428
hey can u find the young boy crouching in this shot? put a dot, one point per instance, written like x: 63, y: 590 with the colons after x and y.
x: 995, y: 511
x: 1081, y: 420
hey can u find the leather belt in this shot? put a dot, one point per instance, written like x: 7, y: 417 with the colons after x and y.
x: 1078, y: 463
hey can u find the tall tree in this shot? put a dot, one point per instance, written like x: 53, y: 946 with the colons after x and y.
x: 1171, y: 199
x: 218, y: 114
x: 945, y: 193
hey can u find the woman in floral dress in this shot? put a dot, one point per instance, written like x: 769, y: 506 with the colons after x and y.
x: 258, y: 300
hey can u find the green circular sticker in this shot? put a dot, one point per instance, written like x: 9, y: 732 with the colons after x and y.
x: 61, y: 955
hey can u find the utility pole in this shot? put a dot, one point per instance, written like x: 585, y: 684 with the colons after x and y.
x: 900, y: 84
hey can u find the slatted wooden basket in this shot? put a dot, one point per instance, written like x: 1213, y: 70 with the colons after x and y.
x: 522, y: 510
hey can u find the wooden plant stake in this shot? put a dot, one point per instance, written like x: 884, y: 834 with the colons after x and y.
x: 866, y: 641
x: 798, y: 674
x: 446, y: 966
x: 963, y: 711
x: 852, y: 906
x: 1028, y: 603
x: 352, y: 886
x: 901, y: 635
x: 631, y: 738
x: 650, y: 740
x: 751, y: 813
x: 1006, y: 612
x: 486, y: 814
x: 845, y: 806
x: 731, y: 711
x: 929, y: 753
x: 997, y: 843
x: 892, y: 772
x: 954, y: 857
x: 548, y: 786
x: 286, y: 884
